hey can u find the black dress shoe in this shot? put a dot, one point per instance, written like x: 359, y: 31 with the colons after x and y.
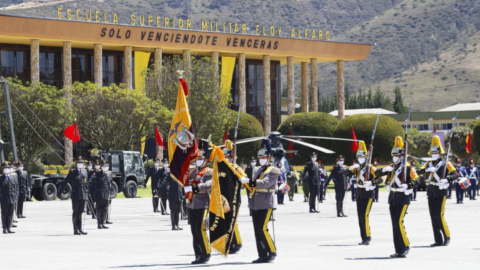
x: 76, y: 232
x: 9, y: 231
x: 99, y: 226
x: 108, y: 222
x: 447, y: 241
x: 261, y: 260
x: 174, y: 228
x: 343, y: 215
x: 105, y: 227
x: 82, y: 232
x: 15, y: 221
x: 166, y: 213
x: 436, y: 244
x: 234, y: 249
x: 5, y: 231
x: 315, y: 211
x: 272, y: 257
x: 365, y: 243
x: 14, y: 226
x: 396, y: 255
x: 339, y: 215
x: 178, y: 228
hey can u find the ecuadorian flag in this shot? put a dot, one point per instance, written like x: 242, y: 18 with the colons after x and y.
x: 182, y: 145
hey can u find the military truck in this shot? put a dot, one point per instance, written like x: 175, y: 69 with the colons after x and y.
x: 126, y: 166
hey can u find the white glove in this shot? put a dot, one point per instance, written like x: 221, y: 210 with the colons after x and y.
x: 387, y: 169
x: 404, y: 186
x: 443, y: 184
x: 188, y: 189
x: 244, y: 180
x: 356, y: 166
x: 430, y: 169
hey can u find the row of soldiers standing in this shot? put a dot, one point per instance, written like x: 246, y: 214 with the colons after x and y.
x: 14, y: 188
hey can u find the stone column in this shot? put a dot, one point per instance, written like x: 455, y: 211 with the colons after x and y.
x: 97, y: 65
x: 157, y: 58
x: 215, y: 69
x: 290, y: 85
x: 187, y: 64
x: 67, y: 83
x: 242, y: 84
x: 304, y: 87
x: 127, y: 67
x: 313, y: 85
x: 35, y: 60
x: 267, y: 102
x: 340, y: 90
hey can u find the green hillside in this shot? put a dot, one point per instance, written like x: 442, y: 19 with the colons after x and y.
x: 427, y: 47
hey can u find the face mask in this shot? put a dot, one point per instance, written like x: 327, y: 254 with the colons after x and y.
x: 339, y: 163
x: 97, y: 167
x: 165, y: 165
x: 80, y: 166
x: 361, y: 160
x: 20, y: 168
x: 157, y: 164
x: 199, y: 162
x: 396, y: 159
x: 263, y: 161
x: 89, y: 167
x: 253, y: 164
x: 435, y: 156
x: 105, y: 169
x: 6, y: 171
x: 314, y: 159
x: 471, y: 166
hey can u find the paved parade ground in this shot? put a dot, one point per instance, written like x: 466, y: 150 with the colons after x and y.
x: 141, y: 239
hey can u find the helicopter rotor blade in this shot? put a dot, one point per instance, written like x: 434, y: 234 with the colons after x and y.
x: 318, y: 148
x: 247, y: 140
x: 315, y: 137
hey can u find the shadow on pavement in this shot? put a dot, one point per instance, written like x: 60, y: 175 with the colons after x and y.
x: 337, y: 245
x: 368, y: 258
x: 179, y: 265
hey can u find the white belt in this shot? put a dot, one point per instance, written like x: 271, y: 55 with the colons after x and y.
x: 265, y: 190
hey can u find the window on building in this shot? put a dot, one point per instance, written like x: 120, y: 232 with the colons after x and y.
x: 82, y: 65
x: 446, y: 126
x: 112, y: 68
x: 15, y: 61
x: 51, y: 66
x: 423, y: 127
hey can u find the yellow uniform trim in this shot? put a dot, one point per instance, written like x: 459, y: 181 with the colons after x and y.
x: 204, y: 234
x: 367, y: 221
x: 237, y: 235
x: 402, y: 227
x: 450, y: 167
x: 444, y: 223
x: 267, y: 235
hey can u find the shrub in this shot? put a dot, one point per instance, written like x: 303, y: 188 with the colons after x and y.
x: 248, y: 127
x: 309, y: 124
x: 36, y: 168
x: 363, y: 124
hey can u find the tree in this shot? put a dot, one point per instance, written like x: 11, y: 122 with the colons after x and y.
x: 48, y: 104
x: 398, y: 101
x: 207, y: 104
x: 458, y: 143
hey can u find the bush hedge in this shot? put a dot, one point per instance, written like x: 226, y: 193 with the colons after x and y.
x: 309, y: 124
x: 363, y: 124
x: 248, y: 127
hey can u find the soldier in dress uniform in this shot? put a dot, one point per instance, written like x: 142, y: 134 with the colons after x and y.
x: 201, y: 183
x: 437, y: 190
x: 281, y: 180
x: 364, y: 192
x: 459, y: 191
x: 377, y: 187
x: 101, y: 184
x: 413, y: 196
x: 339, y: 177
x: 8, y: 197
x: 77, y: 178
x: 399, y: 186
x: 23, y: 186
x: 263, y: 202
x: 323, y: 176
x: 250, y: 171
x: 472, y: 173
x: 155, y: 174
x: 306, y: 188
x: 352, y: 186
x: 175, y: 200
x: 312, y: 170
x: 291, y: 181
x: 14, y: 178
x: 92, y: 167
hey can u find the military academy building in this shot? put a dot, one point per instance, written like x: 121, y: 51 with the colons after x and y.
x: 81, y: 46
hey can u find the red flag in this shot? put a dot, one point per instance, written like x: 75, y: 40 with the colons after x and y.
x: 290, y: 145
x: 434, y: 128
x: 225, y: 135
x: 354, y: 144
x: 468, y: 147
x: 158, y: 138
x: 72, y: 133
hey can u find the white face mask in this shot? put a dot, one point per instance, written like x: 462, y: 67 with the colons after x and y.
x: 339, y: 163
x: 97, y: 167
x: 157, y: 164
x: 80, y: 166
x: 396, y: 159
x: 165, y: 165
x: 471, y: 166
x: 105, y: 169
x: 263, y: 161
x: 6, y: 171
x: 314, y: 159
x: 361, y: 160
x: 89, y: 167
x: 20, y: 168
x: 253, y: 164
x: 199, y: 162
x: 435, y: 156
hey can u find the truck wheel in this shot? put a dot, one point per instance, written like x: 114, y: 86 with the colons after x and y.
x: 130, y: 189
x: 66, y: 193
x: 113, y: 190
x: 49, y: 192
x: 37, y: 194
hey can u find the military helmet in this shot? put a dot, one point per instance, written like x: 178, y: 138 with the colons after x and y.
x: 436, y: 146
x: 397, y: 146
x: 472, y: 161
x: 340, y: 158
x: 314, y: 154
x: 104, y: 162
x: 375, y: 162
x: 203, y: 149
x: 413, y: 162
x: 80, y: 159
x: 265, y: 148
x: 6, y: 164
x: 458, y: 159
x: 227, y: 150
x: 362, y: 149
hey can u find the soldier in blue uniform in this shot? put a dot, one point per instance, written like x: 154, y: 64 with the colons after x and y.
x: 23, y: 187
x: 459, y: 192
x: 263, y: 202
x: 323, y: 176
x: 312, y: 170
x: 155, y: 174
x: 401, y: 178
x: 377, y: 187
x: 77, y: 178
x: 364, y: 191
x: 162, y: 186
x: 340, y: 179
x: 472, y: 173
x: 101, y: 184
x: 437, y: 190
x: 281, y: 180
x: 8, y: 197
x: 201, y: 183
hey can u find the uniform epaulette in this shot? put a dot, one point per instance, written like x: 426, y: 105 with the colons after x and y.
x: 275, y: 170
x: 209, y: 172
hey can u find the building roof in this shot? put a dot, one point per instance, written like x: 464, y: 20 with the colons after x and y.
x: 436, y: 116
x: 364, y: 111
x: 462, y: 107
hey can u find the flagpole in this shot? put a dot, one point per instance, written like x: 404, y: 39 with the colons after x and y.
x: 75, y: 136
